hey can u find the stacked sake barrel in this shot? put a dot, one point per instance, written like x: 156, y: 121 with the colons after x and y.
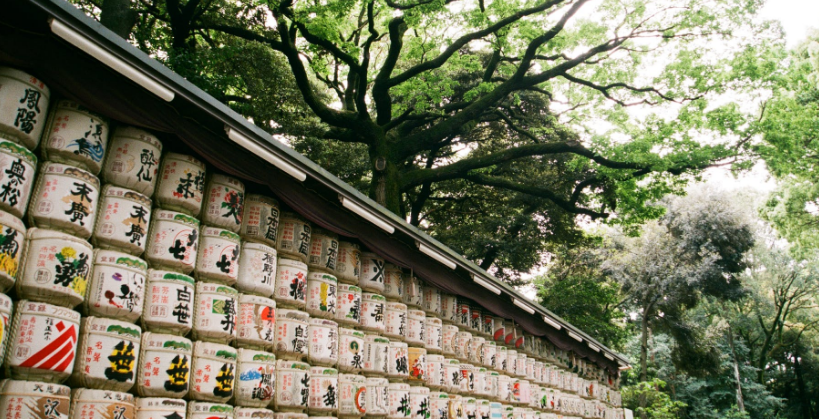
x: 156, y: 288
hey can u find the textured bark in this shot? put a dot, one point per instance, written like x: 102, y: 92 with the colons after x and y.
x: 118, y: 16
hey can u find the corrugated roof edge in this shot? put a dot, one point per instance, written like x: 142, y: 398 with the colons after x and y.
x: 112, y: 43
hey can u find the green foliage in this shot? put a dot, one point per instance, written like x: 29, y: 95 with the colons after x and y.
x: 658, y: 404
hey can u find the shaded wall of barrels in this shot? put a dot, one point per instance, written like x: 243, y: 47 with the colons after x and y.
x: 140, y: 283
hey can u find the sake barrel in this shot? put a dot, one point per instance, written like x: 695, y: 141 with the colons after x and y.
x: 164, y: 365
x: 123, y: 221
x: 530, y: 368
x: 504, y: 388
x: 215, y: 312
x: 419, y: 402
x: 432, y: 300
x: 108, y: 354
x: 214, y: 372
x: 252, y: 412
x: 416, y: 328
x: 256, y: 328
x: 398, y: 401
x: 461, y: 345
x: 168, y: 306
x: 217, y: 258
x: 456, y: 407
x: 65, y: 198
x: 224, y: 202
x: 56, y: 268
x: 293, y: 236
x: 350, y: 350
x: 260, y: 221
x: 413, y: 292
x: 518, y: 412
x: 467, y: 384
x: 476, y: 350
x: 435, y: 377
x: 393, y: 283
x: 398, y: 362
x: 417, y: 365
x: 376, y: 356
x: 323, y: 342
x: 479, y: 388
x: 291, y: 334
x: 376, y: 398
x: 470, y: 405
x: 438, y: 405
x: 476, y: 323
x: 448, y: 339
x: 291, y: 282
x: 12, y: 236
x: 395, y: 324
x: 348, y: 266
x: 5, y: 324
x: 42, y: 343
x: 76, y: 136
x: 511, y: 361
x: 371, y: 278
x: 32, y: 399
x: 207, y: 410
x: 348, y: 305
x: 289, y: 415
x: 491, y: 389
x: 323, y: 391
x: 449, y: 308
x: 132, y: 160
x: 24, y: 101
x: 321, y: 295
x: 495, y: 410
x: 292, y: 386
x: 520, y: 338
x: 499, y: 333
x: 181, y: 185
x: 501, y: 358
x: 257, y: 269
x: 452, y: 372
x: 117, y: 286
x: 433, y: 338
x: 488, y: 325
x: 521, y: 391
x: 173, y: 238
x: 520, y: 365
x: 352, y: 390
x: 18, y: 168
x: 160, y: 408
x: 323, y: 251
x: 483, y: 409
x: 372, y: 312
x: 101, y: 404
x: 489, y: 351
x: 257, y: 375
x: 464, y: 320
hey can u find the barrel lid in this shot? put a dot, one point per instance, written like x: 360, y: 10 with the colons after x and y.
x: 175, y: 216
x: 287, y: 260
x: 398, y: 343
x: 259, y: 246
x: 451, y: 361
x: 9, y: 220
x: 256, y: 299
x: 293, y: 365
x: 346, y: 331
x: 352, y: 377
x: 349, y: 244
x: 75, y: 172
x: 322, y: 276
x: 396, y: 306
x: 416, y: 313
x: 121, y: 259
x: 22, y: 77
x: 160, y: 275
x: 214, y: 287
x: 378, y: 381
x: 318, y: 231
x: 78, y: 107
x: 431, y: 319
x: 253, y: 412
x: 208, y: 231
x: 286, y: 313
x: 371, y: 296
x: 206, y: 407
x: 217, y: 350
x: 370, y: 255
x: 317, y: 370
x: 348, y: 287
x: 22, y: 387
x: 33, y: 307
x: 103, y: 325
x: 391, y: 267
x: 419, y: 389
x: 252, y: 355
x: 18, y: 150
x: 165, y: 341
x: 399, y: 386
x: 183, y: 157
x: 136, y: 134
x: 438, y: 395
x: 261, y: 198
x: 435, y: 358
x: 226, y: 180
x: 118, y: 192
x: 376, y: 339
x: 42, y: 233
x: 160, y: 403
x: 322, y: 322
x: 101, y: 396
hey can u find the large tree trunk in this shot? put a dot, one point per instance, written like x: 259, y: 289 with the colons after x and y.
x: 807, y: 412
x: 740, y: 400
x: 385, y: 187
x: 118, y: 16
x: 643, y: 360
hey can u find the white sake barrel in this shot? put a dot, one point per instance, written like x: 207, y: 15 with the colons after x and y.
x: 376, y: 399
x: 160, y: 408
x: 435, y: 378
x: 43, y: 342
x: 56, y: 268
x: 530, y: 368
x: 256, y: 328
x: 520, y: 338
x: 393, y: 283
x: 215, y: 312
x: 371, y: 277
x: 511, y: 362
x: 5, y: 324
x: 456, y: 407
x: 207, y: 410
x: 352, y: 390
x: 321, y: 295
x: 132, y: 160
x: 348, y: 266
x: 488, y: 326
x: 293, y: 236
x: 27, y: 399
x: 224, y: 202
x: 108, y: 354
x: 217, y: 258
x: 479, y: 389
x: 398, y: 401
x: 464, y: 320
x: 448, y: 339
x: 117, y: 286
x: 433, y: 337
x: 452, y: 372
x: 520, y: 365
x: 417, y: 366
x: 544, y: 374
x: 101, y: 404
x: 438, y: 405
x: 538, y: 398
x: 467, y: 384
x: 413, y: 292
x: 372, y: 312
x: 470, y: 405
x: 395, y: 324
x: 476, y: 313
x: 323, y: 391
x: 214, y: 372
x: 18, y: 168
x: 181, y: 184
x: 164, y: 365
x: 323, y: 251
x: 504, y: 388
x: 518, y: 412
x: 24, y: 101
x: 476, y: 350
x: 499, y: 333
x: 495, y: 410
x: 256, y: 371
x: 376, y: 356
x: 12, y: 235
x: 65, y: 198
x: 350, y: 350
x: 348, y: 305
x: 521, y: 391
x: 253, y: 412
x: 168, y: 306
x: 461, y: 345
x: 509, y: 411
x: 432, y: 300
x: 257, y: 269
x: 449, y: 308
x: 501, y: 358
x: 419, y: 402
x: 291, y: 334
x: 172, y: 241
x: 489, y: 352
x: 291, y: 282
x: 322, y: 344
x: 75, y: 136
x: 416, y: 328
x: 123, y: 221
x: 260, y: 221
x: 292, y: 386
x: 483, y: 409
x: 491, y: 389
x: 398, y: 362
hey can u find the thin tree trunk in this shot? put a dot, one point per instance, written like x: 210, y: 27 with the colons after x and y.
x: 643, y: 361
x: 740, y: 400
x: 807, y: 412
x: 118, y: 16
